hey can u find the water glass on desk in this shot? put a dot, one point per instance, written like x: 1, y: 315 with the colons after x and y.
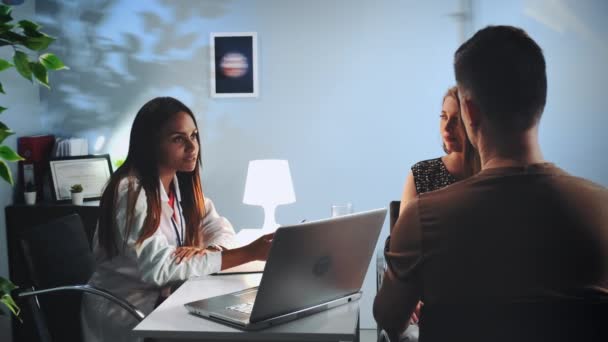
x: 341, y: 209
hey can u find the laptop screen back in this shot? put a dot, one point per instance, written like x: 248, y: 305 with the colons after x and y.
x: 316, y: 262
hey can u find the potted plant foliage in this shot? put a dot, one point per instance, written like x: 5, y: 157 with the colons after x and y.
x: 29, y: 60
x: 77, y: 194
x: 6, y: 287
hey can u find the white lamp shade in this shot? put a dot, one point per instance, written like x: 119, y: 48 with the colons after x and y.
x: 268, y: 183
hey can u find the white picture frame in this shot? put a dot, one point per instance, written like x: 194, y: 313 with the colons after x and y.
x: 90, y: 171
x: 234, y: 64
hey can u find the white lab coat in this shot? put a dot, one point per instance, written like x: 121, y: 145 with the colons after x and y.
x: 141, y: 273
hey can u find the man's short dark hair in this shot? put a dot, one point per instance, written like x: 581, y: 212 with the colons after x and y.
x: 503, y: 71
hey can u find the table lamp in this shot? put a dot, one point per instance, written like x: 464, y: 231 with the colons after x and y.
x: 268, y: 185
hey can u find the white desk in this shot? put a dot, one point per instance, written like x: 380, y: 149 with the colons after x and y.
x: 171, y: 321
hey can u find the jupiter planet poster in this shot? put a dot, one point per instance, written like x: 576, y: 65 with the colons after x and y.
x: 234, y: 64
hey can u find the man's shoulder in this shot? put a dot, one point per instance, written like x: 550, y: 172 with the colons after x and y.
x: 584, y: 190
x: 558, y: 178
x: 584, y: 183
x: 554, y: 181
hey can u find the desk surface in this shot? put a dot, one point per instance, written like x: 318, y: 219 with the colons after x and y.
x: 171, y: 320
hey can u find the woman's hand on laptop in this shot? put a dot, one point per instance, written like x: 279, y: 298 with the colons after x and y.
x: 259, y: 248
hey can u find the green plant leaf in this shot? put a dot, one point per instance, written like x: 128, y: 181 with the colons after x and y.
x: 13, y: 37
x: 38, y: 43
x: 11, y: 305
x: 5, y: 10
x: 4, y: 64
x: 5, y: 172
x: 118, y: 163
x: 5, y: 27
x: 40, y: 73
x: 2, y: 109
x: 8, y: 154
x: 3, y: 126
x: 5, y: 133
x: 6, y: 286
x: 30, y: 25
x: 2, y: 89
x: 5, y: 13
x: 22, y: 65
x: 31, y: 29
x: 52, y: 62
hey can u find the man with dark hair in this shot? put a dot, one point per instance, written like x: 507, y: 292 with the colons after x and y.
x: 518, y: 252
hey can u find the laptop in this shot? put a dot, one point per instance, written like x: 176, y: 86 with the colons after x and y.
x: 311, y: 267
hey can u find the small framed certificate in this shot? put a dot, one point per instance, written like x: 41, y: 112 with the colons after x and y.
x: 92, y: 172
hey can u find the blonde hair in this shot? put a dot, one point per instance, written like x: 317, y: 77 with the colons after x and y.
x: 472, y: 163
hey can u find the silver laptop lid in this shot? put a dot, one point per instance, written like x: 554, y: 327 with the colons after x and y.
x: 316, y: 262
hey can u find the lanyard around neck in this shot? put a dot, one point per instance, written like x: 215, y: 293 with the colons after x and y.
x: 179, y: 237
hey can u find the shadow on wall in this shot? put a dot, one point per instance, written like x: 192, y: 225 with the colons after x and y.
x: 121, y: 54
x: 118, y: 51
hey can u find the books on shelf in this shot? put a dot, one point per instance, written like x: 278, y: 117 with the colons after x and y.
x: 68, y: 147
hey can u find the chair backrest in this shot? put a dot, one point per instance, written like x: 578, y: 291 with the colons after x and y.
x: 57, y: 253
x: 393, y: 213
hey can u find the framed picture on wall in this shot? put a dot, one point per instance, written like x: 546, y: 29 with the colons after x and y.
x: 234, y: 64
x: 91, y: 172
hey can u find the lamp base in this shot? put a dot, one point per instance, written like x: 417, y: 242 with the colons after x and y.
x: 270, y: 225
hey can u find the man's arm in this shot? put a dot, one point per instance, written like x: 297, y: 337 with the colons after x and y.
x: 401, y: 287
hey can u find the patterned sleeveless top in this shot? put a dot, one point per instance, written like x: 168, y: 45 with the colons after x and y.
x: 430, y: 175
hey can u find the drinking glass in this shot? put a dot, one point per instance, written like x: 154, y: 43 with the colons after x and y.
x: 341, y: 209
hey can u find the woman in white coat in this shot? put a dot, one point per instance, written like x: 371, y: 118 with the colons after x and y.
x: 156, y: 228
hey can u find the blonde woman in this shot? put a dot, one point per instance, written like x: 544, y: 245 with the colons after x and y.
x: 461, y: 160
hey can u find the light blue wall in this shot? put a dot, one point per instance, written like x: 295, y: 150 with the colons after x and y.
x: 350, y: 92
x: 574, y: 38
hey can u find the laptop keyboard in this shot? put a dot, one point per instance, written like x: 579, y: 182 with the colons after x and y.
x: 243, y: 307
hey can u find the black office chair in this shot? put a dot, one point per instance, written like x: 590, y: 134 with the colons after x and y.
x: 393, y: 213
x: 60, y: 262
x: 393, y: 210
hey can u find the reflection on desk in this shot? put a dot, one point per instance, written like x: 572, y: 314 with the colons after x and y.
x: 172, y: 321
